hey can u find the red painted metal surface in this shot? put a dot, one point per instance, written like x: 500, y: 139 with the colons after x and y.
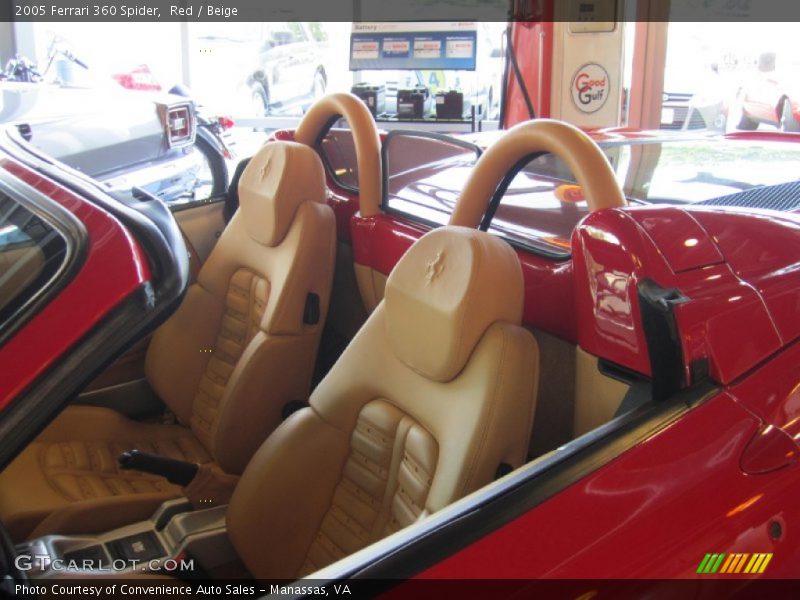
x: 764, y: 250
x: 380, y: 241
x: 740, y: 311
x: 685, y: 245
x: 653, y: 512
x: 115, y: 267
x: 533, y: 45
x: 774, y: 394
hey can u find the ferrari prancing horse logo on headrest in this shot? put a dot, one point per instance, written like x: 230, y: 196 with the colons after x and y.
x: 435, y: 267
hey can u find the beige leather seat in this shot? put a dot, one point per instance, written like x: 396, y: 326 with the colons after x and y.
x: 434, y: 393
x: 234, y: 353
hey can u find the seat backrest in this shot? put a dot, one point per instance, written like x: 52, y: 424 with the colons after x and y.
x: 433, y: 394
x: 243, y: 344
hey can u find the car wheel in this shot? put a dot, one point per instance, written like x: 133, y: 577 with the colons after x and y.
x: 738, y: 118
x: 318, y: 89
x: 788, y: 122
x: 212, y: 175
x: 259, y: 97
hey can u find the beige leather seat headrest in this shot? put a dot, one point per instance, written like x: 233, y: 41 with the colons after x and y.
x: 444, y: 293
x: 278, y: 179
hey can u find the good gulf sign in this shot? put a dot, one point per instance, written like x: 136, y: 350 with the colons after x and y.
x: 590, y: 87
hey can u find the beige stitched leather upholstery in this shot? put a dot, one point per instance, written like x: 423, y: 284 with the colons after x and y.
x: 234, y: 353
x: 390, y: 437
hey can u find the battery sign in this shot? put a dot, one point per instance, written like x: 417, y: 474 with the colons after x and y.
x: 365, y: 49
x: 396, y: 48
x: 427, y: 48
x: 459, y: 48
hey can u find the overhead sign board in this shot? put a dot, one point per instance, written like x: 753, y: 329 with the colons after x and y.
x: 423, y: 45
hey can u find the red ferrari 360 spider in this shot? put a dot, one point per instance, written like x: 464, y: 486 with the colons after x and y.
x: 527, y: 354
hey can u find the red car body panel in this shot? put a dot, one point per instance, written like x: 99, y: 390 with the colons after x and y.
x: 380, y: 241
x: 114, y: 267
x: 656, y: 510
x: 650, y: 513
x: 718, y: 479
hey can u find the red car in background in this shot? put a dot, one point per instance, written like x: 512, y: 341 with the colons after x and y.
x: 139, y: 78
x: 770, y: 96
x: 664, y: 443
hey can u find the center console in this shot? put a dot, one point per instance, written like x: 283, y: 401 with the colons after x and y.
x: 174, y: 538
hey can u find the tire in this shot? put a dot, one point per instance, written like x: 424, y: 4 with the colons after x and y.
x: 212, y: 179
x: 259, y: 97
x: 739, y: 118
x: 319, y: 85
x: 788, y: 122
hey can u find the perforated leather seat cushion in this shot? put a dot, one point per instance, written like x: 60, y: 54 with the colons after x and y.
x: 74, y: 462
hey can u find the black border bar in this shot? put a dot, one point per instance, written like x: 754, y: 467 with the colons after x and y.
x: 367, y: 11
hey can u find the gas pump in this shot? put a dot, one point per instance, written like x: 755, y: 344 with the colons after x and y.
x: 586, y: 86
x: 569, y: 68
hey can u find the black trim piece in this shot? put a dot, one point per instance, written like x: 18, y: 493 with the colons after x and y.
x: 327, y: 127
x: 527, y: 490
x: 618, y: 372
x: 75, y: 238
x: 177, y: 207
x: 501, y: 119
x: 415, y: 133
x: 311, y: 310
x: 494, y: 203
x: 232, y: 194
x: 661, y: 333
x: 502, y: 188
x: 638, y: 394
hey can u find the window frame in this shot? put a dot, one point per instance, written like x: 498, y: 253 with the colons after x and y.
x: 76, y: 242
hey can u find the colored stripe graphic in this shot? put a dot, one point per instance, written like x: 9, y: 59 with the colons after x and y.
x: 737, y: 562
x: 703, y: 563
x: 740, y: 564
x: 767, y: 558
x: 727, y: 564
x: 730, y: 564
x: 710, y: 563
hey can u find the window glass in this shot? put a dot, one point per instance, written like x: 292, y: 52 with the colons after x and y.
x: 425, y: 174
x: 31, y: 253
x: 339, y: 155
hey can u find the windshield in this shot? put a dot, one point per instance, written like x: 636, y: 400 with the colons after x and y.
x: 678, y: 172
x: 541, y: 205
